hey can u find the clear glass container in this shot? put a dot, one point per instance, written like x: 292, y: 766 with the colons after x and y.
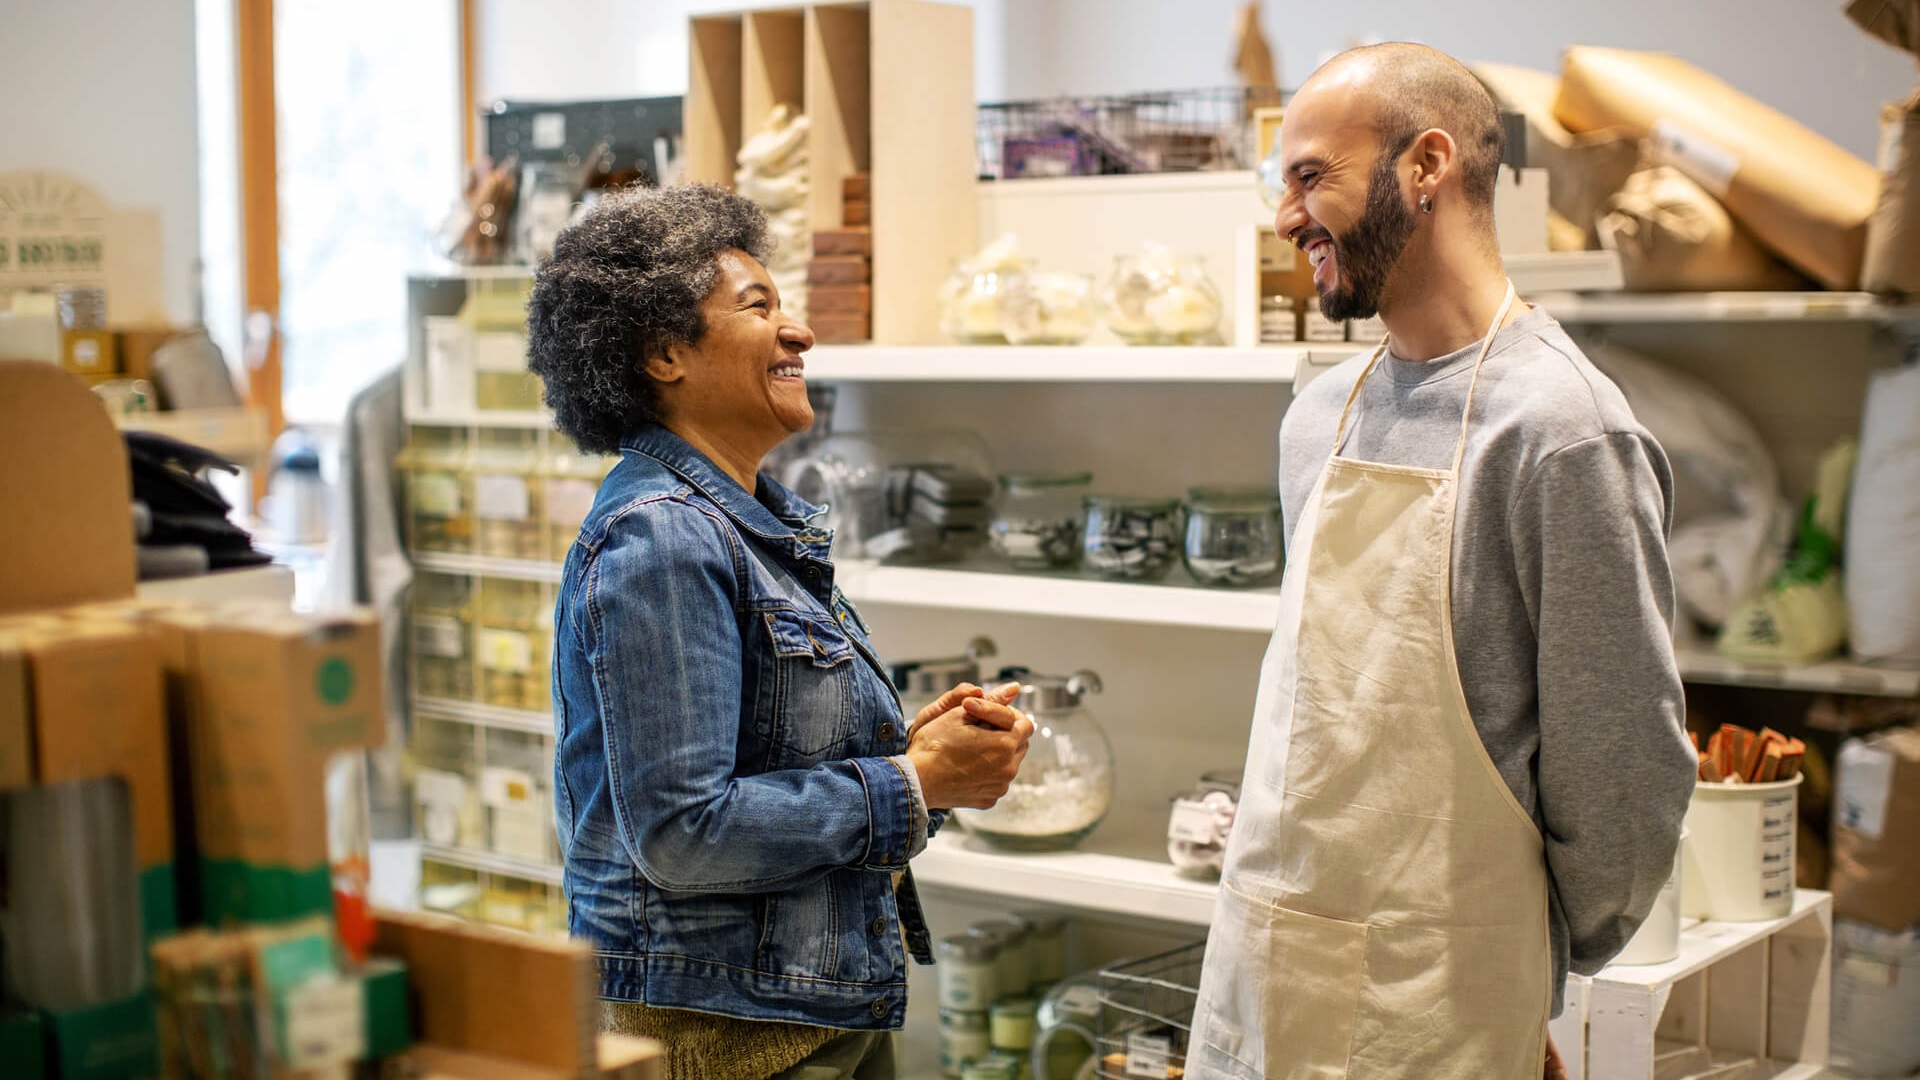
x: 512, y: 644
x: 507, y: 494
x: 1200, y: 822
x: 1065, y: 785
x: 1130, y: 539
x: 439, y: 502
x: 1157, y: 298
x: 1037, y: 524
x: 570, y: 482
x: 921, y: 682
x: 440, y: 616
x: 1234, y: 536
x: 906, y: 497
x: 446, y: 783
x: 973, y: 302
x: 968, y: 967
x: 1049, y: 307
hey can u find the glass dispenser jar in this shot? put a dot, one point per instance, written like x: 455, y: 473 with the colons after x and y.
x: 1065, y: 786
x: 921, y: 682
x: 516, y: 621
x: 441, y: 617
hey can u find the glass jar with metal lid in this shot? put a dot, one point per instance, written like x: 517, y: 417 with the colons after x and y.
x: 1233, y: 536
x: 1048, y: 949
x: 1201, y: 820
x: 1036, y: 525
x: 921, y: 682
x: 1065, y: 785
x: 1014, y: 935
x: 964, y: 1039
x: 969, y: 973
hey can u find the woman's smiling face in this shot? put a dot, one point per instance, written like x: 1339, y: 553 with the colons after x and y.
x: 745, y: 375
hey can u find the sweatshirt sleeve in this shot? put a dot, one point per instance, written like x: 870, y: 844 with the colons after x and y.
x: 1615, y: 771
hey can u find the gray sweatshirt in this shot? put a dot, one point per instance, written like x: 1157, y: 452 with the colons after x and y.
x: 1562, y: 602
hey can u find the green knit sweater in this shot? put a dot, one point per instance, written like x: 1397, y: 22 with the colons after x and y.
x: 702, y: 1046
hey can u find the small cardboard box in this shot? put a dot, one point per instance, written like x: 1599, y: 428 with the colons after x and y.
x: 274, y: 697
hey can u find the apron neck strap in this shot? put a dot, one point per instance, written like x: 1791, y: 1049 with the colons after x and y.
x: 1466, y: 415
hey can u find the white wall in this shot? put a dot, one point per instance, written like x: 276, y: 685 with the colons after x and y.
x: 105, y: 91
x: 1800, y: 56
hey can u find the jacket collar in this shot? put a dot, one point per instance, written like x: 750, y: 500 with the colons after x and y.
x: 777, y: 514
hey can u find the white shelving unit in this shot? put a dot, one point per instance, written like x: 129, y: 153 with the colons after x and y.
x: 481, y: 566
x: 1076, y: 364
x: 1087, y: 880
x: 1571, y: 307
x: 488, y: 863
x: 493, y: 716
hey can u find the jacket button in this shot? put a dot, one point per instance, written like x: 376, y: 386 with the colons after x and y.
x: 887, y: 732
x: 881, y: 1009
x: 878, y: 926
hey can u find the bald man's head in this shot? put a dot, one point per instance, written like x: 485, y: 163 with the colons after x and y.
x: 1412, y: 89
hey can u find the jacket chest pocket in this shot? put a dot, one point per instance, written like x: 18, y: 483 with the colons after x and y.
x: 806, y: 697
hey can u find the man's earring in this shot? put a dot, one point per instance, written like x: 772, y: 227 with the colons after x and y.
x: 1426, y: 203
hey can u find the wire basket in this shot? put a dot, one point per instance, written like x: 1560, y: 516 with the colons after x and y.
x: 1146, y: 1013
x: 1166, y: 131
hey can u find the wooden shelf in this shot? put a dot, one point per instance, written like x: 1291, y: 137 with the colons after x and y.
x: 1827, y: 676
x: 1065, y: 364
x: 1725, y: 307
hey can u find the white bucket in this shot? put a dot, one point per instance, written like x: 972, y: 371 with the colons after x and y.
x: 1739, y: 854
x: 1658, y: 939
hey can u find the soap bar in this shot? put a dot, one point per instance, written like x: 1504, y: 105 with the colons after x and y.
x: 855, y: 241
x: 839, y: 270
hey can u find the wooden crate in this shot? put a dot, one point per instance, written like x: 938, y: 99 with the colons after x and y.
x: 887, y: 86
x: 1737, y: 991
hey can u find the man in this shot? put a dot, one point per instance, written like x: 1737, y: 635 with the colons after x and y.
x: 1468, y: 767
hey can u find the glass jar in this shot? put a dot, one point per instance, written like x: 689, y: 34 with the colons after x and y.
x: 505, y: 468
x: 1048, y: 948
x: 1157, y: 298
x: 1011, y: 1025
x: 964, y: 1038
x: 439, y: 510
x: 1234, y: 536
x: 921, y: 682
x: 440, y: 617
x: 1037, y: 525
x: 1200, y: 823
x: 1048, y: 307
x: 909, y: 497
x: 446, y: 783
x: 570, y: 483
x: 517, y: 789
x: 993, y: 1067
x: 1187, y: 310
x: 969, y: 971
x: 1065, y: 785
x: 1013, y: 935
x: 1130, y: 539
x: 511, y: 642
x: 972, y: 303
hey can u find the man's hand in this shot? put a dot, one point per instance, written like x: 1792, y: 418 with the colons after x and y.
x: 1556, y: 1068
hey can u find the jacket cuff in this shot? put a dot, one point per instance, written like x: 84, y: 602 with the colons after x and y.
x: 895, y: 817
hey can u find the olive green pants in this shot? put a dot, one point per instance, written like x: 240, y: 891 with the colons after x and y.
x: 852, y: 1055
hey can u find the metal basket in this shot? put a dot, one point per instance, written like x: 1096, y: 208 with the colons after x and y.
x: 1146, y: 1013
x: 1166, y: 131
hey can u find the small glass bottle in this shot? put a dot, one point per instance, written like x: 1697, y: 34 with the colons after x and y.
x: 969, y: 973
x: 1036, y: 525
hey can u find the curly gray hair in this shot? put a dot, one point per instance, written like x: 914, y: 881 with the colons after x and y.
x: 625, y: 282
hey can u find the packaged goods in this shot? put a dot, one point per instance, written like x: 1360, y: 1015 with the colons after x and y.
x: 1883, y: 525
x: 1799, y: 193
x: 1672, y: 236
x: 1583, y: 170
x: 1876, y: 830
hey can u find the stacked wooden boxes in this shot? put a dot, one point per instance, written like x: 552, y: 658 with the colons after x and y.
x: 840, y: 278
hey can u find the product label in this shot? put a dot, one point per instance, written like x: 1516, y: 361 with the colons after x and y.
x: 1192, y: 823
x: 439, y: 635
x: 1147, y: 1055
x: 508, y: 788
x: 325, y: 1023
x: 436, y: 494
x: 569, y: 501
x: 502, y: 498
x: 1705, y: 162
x: 1080, y: 1001
x: 506, y: 650
x: 1865, y: 787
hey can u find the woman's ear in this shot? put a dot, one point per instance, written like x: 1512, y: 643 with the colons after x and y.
x: 668, y: 365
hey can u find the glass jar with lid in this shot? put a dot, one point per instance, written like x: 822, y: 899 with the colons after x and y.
x: 1014, y: 937
x: 1048, y: 307
x: 1037, y: 523
x: 921, y: 682
x: 913, y: 497
x: 972, y: 303
x: 1011, y: 1024
x: 1130, y: 539
x: 439, y: 506
x: 1065, y: 785
x: 1186, y: 310
x: 964, y: 1038
x: 505, y: 467
x: 1048, y: 948
x: 1201, y: 820
x: 1234, y: 536
x: 441, y: 617
x: 570, y: 482
x: 969, y: 971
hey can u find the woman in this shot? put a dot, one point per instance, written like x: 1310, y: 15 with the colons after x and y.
x: 735, y: 786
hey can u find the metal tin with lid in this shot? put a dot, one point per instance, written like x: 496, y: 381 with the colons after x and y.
x: 1050, y: 693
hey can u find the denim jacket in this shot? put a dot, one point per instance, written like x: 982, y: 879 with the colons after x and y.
x: 730, y: 782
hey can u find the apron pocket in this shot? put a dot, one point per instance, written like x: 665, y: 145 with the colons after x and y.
x: 1286, y: 1005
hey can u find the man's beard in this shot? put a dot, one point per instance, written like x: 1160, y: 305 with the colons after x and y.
x: 1369, y: 250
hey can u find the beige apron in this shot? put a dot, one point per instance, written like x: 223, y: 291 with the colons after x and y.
x: 1383, y: 911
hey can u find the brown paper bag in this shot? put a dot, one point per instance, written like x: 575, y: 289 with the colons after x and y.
x: 1800, y: 194
x: 1896, y: 22
x: 1893, y: 233
x: 1583, y: 170
x: 1674, y: 237
x: 1876, y: 830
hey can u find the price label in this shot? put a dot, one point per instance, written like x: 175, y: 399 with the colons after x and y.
x: 1080, y: 1001
x: 1148, y: 1055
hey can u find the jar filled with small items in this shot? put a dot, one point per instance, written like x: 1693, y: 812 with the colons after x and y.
x: 507, y: 494
x: 973, y: 300
x: 1158, y: 298
x: 439, y: 509
x: 1201, y: 820
x: 516, y: 620
x: 1065, y: 785
x: 1234, y: 536
x: 1130, y: 539
x: 1037, y: 525
x: 1048, y: 307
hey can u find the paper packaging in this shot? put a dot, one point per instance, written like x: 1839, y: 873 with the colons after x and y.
x: 482, y: 990
x: 1800, y: 194
x: 1583, y: 170
x: 275, y: 696
x: 1893, y: 234
x: 1672, y: 235
x: 1876, y: 830
x: 1876, y: 995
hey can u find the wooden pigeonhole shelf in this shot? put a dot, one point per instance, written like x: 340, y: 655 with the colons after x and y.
x: 915, y: 137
